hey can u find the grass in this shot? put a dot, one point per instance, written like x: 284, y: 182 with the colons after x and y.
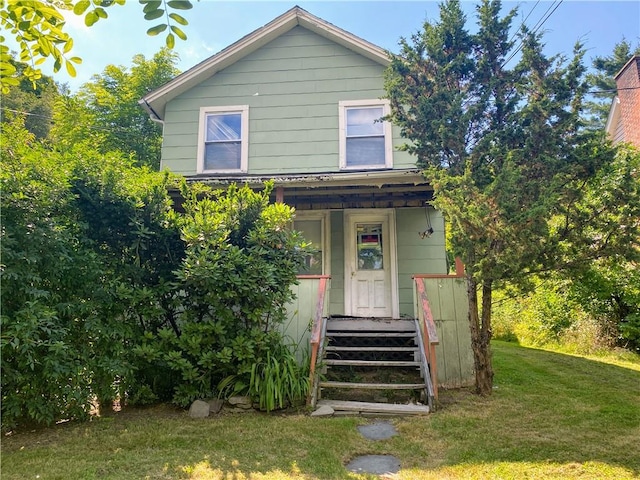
x: 551, y: 416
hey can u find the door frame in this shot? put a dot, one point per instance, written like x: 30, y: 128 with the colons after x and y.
x: 387, y: 215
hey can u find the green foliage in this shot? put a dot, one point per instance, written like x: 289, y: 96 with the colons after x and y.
x: 240, y: 261
x: 279, y: 380
x: 109, y: 293
x: 105, y: 112
x: 38, y: 27
x: 34, y: 101
x: 51, y: 286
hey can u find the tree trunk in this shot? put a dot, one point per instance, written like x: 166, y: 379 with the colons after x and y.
x: 480, y: 326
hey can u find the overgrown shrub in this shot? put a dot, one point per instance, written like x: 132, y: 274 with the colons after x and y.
x: 52, y: 290
x: 240, y: 261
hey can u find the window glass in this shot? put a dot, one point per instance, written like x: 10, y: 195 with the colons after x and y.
x: 369, y: 246
x: 312, y: 232
x: 223, y: 146
x: 365, y: 143
x: 365, y: 151
x: 223, y: 127
x: 362, y: 121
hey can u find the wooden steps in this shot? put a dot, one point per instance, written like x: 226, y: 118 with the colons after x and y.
x: 368, y: 408
x: 372, y: 366
x: 370, y: 349
x: 373, y: 386
x: 372, y: 363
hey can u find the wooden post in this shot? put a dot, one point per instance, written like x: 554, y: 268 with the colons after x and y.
x: 459, y: 267
x: 279, y: 194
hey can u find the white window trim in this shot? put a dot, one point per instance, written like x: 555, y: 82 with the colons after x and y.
x: 324, y: 217
x: 243, y: 110
x: 343, y: 105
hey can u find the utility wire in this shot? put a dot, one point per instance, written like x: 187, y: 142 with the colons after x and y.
x: 543, y: 19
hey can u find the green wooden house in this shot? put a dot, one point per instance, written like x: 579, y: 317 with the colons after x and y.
x: 298, y: 101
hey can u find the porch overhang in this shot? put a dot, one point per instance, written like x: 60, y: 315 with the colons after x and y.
x: 338, y: 190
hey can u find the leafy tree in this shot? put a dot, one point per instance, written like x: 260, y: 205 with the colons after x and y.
x: 105, y: 112
x: 33, y: 101
x: 603, y: 82
x: 505, y: 151
x: 51, y: 286
x: 38, y: 27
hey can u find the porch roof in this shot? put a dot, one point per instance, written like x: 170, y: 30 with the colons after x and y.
x: 338, y: 190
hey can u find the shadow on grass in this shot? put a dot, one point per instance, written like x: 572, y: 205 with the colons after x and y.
x: 550, y: 413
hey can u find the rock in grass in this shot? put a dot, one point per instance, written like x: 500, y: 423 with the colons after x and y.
x: 323, y: 411
x: 240, y: 402
x: 199, y: 409
x: 215, y: 405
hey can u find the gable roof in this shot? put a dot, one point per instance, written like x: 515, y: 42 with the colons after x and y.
x: 155, y: 102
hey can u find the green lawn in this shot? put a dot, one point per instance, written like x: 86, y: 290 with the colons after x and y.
x: 551, y: 416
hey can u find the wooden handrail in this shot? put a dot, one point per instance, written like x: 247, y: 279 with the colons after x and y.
x: 429, y: 329
x: 459, y: 272
x: 428, y: 321
x: 316, y: 329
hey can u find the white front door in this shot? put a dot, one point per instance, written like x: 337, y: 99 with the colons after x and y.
x: 370, y: 264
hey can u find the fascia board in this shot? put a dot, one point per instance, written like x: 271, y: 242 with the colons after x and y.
x: 613, y: 118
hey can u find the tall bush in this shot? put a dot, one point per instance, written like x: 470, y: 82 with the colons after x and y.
x: 240, y: 262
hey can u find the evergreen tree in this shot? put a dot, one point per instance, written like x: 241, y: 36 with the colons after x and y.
x: 505, y: 151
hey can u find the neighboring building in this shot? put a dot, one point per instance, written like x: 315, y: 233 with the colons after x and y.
x: 623, y: 124
x: 298, y: 101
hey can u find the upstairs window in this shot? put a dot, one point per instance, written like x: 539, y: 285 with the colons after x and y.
x: 365, y: 141
x: 223, y: 139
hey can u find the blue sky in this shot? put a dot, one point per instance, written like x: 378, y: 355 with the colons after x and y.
x: 215, y: 24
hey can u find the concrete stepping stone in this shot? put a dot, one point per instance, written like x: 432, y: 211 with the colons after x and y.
x: 376, y: 464
x: 378, y: 431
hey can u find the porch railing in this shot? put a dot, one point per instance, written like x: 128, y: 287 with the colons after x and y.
x: 427, y: 324
x: 318, y: 330
x: 428, y: 335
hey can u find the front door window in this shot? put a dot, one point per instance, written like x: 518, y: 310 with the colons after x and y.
x: 369, y: 246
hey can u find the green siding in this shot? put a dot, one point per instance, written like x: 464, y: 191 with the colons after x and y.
x: 447, y: 298
x: 336, y: 306
x: 301, y: 311
x: 415, y: 254
x: 299, y: 78
x: 449, y: 305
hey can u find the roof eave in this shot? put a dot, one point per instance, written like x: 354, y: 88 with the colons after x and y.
x: 614, y: 113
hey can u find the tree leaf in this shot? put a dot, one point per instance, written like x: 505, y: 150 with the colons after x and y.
x: 152, y: 5
x: 77, y: 60
x: 81, y: 7
x: 101, y: 12
x: 153, y: 31
x: 178, y: 19
x: 91, y: 18
x: 171, y: 41
x: 178, y: 32
x: 68, y: 46
x: 180, y: 4
x: 71, y: 70
x: 152, y: 15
